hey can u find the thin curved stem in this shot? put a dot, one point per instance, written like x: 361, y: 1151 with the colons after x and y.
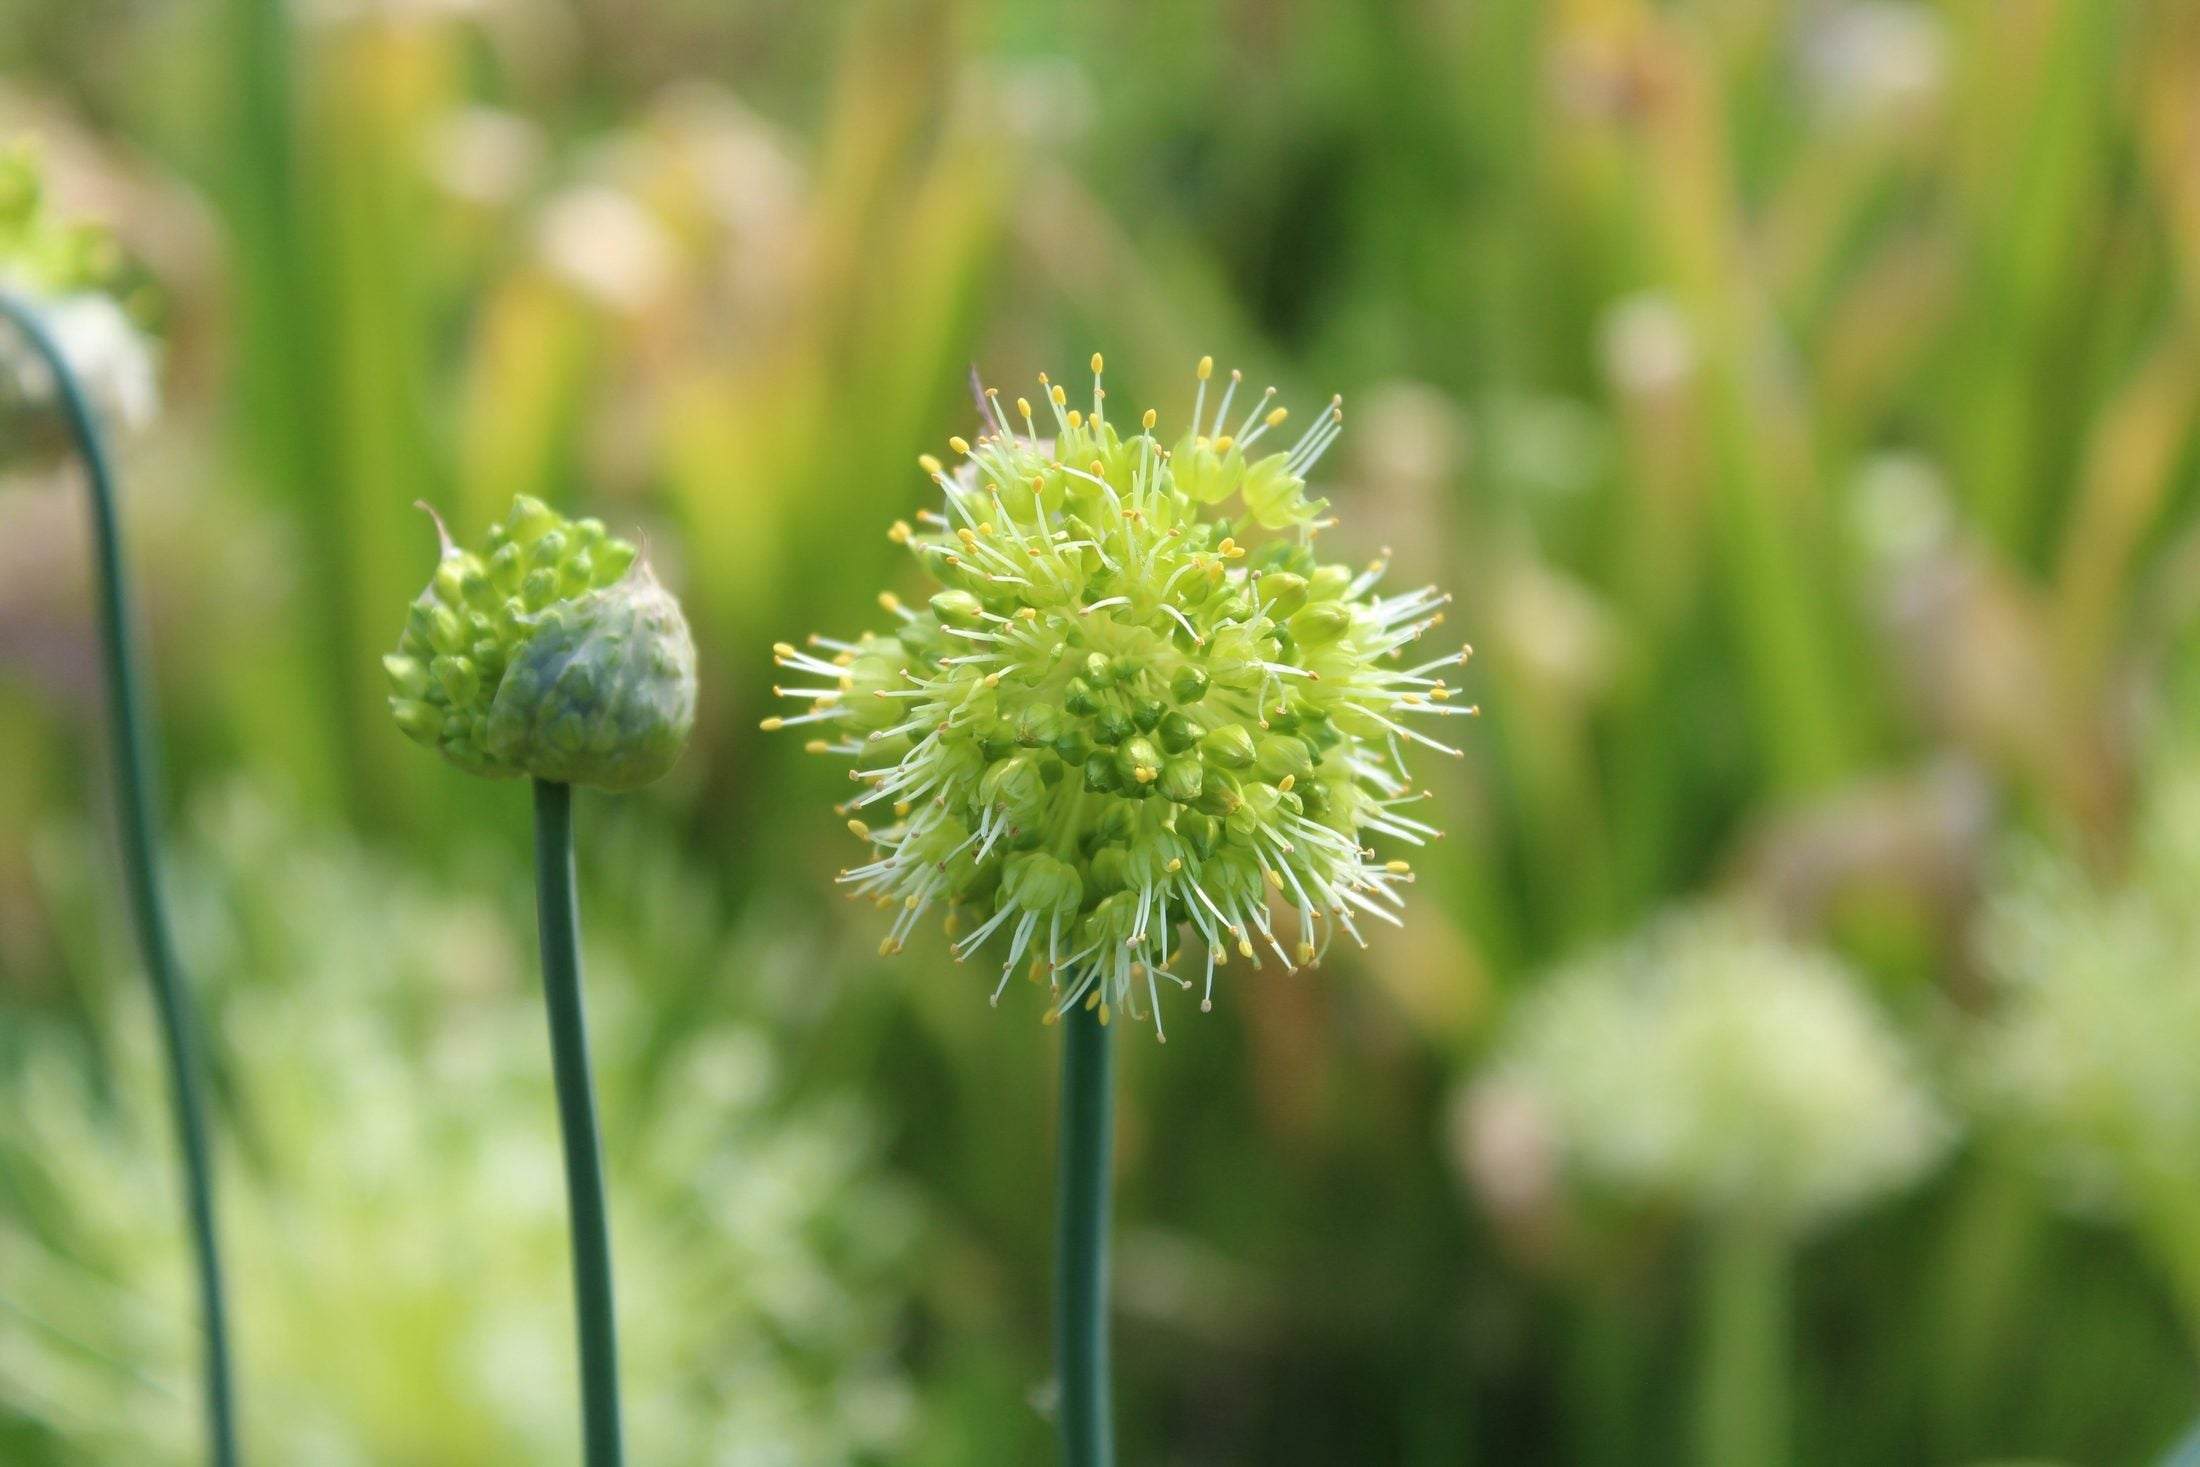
x: 134, y: 795
x: 557, y: 905
x: 1081, y: 1261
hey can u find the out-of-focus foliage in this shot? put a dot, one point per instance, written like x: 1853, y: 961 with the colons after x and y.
x: 397, y: 1212
x: 1799, y: 394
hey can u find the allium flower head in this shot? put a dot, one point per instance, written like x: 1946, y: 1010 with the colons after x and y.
x: 552, y: 654
x: 2087, y: 1055
x: 1138, y: 702
x: 79, y: 279
x: 1711, y: 1064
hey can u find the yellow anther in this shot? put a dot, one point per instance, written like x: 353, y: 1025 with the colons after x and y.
x: 1176, y: 863
x: 901, y: 809
x: 887, y: 947
x: 1076, y: 418
x: 1092, y: 1000
x: 1150, y: 419
x: 1058, y: 395
x: 772, y: 725
x: 1245, y: 948
x: 900, y: 532
x: 966, y: 536
x: 1275, y: 419
x: 959, y: 443
x: 985, y: 527
x: 1023, y: 408
x: 1284, y: 784
x: 1273, y: 879
x: 817, y: 746
x: 1105, y: 1012
x: 888, y: 601
x: 1397, y: 868
x: 930, y: 464
x: 1096, y: 364
x: 1145, y: 774
x: 1223, y: 444
x: 783, y: 649
x: 1306, y: 952
x: 909, y: 902
x: 859, y: 830
x: 1206, y: 368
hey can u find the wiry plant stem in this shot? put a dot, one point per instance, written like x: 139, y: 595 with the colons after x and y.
x: 558, y: 914
x: 1081, y: 1264
x: 134, y: 800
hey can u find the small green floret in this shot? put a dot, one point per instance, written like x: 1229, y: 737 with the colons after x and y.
x: 552, y: 654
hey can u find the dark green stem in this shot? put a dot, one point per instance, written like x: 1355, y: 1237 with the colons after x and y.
x: 1081, y: 1262
x: 558, y: 912
x: 134, y: 798
x: 1743, y: 1400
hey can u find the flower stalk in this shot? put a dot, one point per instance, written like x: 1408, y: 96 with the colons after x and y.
x: 558, y: 917
x: 1081, y: 1255
x: 135, y: 800
x: 1743, y: 1401
x: 552, y: 654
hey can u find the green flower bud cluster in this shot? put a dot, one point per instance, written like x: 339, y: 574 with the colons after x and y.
x: 552, y: 654
x: 1113, y: 720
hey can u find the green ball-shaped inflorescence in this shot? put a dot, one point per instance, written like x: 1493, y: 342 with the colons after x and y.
x: 92, y: 300
x: 1709, y: 1063
x: 553, y: 654
x: 46, y: 253
x: 1116, y: 725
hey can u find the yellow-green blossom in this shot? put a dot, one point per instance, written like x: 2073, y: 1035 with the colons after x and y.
x: 1138, y: 701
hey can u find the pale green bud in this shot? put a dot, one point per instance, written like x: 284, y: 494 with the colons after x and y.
x: 577, y: 670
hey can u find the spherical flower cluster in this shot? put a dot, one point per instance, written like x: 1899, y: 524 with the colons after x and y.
x: 1712, y: 1065
x: 77, y: 278
x: 552, y: 654
x: 399, y: 1258
x: 1118, y: 716
x: 2088, y: 1053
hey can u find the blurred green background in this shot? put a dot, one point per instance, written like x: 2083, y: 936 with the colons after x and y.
x: 1797, y: 394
